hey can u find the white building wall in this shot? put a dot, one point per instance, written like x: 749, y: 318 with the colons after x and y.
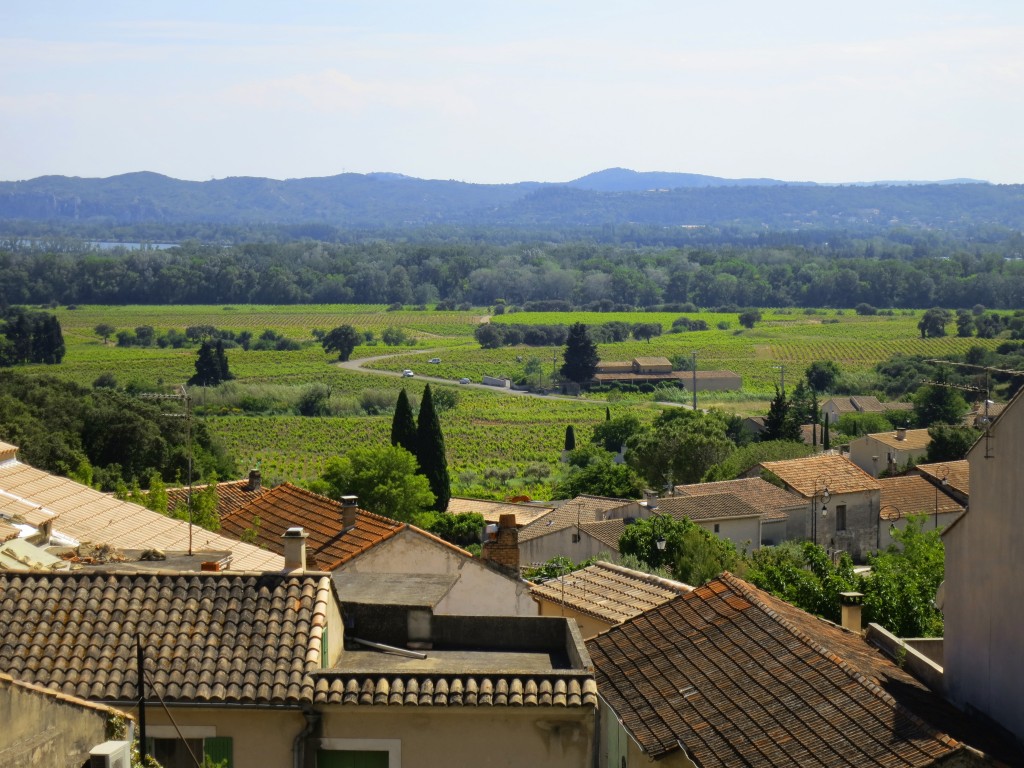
x: 984, y: 636
x: 561, y: 544
x: 480, y: 590
x: 744, y: 532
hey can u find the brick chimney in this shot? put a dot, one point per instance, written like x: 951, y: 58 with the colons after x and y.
x: 295, y: 549
x: 255, y: 480
x: 851, y: 602
x: 504, y: 548
x: 349, y: 508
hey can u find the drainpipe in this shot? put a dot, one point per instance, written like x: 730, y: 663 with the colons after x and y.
x: 299, y: 744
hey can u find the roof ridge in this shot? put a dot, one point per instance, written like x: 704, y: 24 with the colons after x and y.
x: 650, y: 578
x: 753, y: 594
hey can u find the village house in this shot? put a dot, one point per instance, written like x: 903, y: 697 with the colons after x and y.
x: 572, y: 530
x: 727, y: 675
x: 909, y: 495
x: 836, y: 407
x: 69, y: 513
x: 654, y: 370
x: 346, y: 540
x: 889, y: 452
x: 723, y: 514
x: 775, y: 504
x: 231, y: 494
x: 841, y: 502
x: 603, y: 595
x: 265, y: 669
x: 953, y: 477
x: 491, y: 511
x: 983, y: 585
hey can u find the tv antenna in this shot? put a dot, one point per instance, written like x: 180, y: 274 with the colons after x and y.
x: 181, y: 394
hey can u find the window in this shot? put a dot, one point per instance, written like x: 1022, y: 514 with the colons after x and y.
x: 840, y: 517
x: 717, y: 527
x: 169, y: 749
x: 359, y: 753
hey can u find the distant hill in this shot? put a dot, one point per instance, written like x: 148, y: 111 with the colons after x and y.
x: 615, y: 196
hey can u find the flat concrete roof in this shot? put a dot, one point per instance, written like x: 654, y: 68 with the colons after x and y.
x: 411, y: 589
x: 453, y: 662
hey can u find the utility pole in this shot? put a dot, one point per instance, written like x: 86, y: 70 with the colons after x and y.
x: 693, y: 365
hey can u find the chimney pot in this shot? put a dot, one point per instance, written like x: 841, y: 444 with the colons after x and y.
x: 901, y: 433
x: 295, y: 549
x: 255, y: 480
x: 349, y: 508
x: 851, y: 603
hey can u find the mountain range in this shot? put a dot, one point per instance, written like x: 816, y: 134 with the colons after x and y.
x: 613, y: 197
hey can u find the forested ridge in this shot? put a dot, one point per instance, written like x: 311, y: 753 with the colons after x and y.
x: 899, y: 269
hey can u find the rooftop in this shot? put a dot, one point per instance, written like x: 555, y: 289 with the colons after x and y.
x: 707, y: 507
x: 809, y: 475
x: 770, y: 500
x: 737, y: 677
x: 329, y: 545
x: 912, y: 440
x: 608, y: 532
x: 913, y: 495
x: 87, y: 515
x: 582, y: 509
x: 609, y: 592
x: 231, y: 494
x: 208, y: 637
x: 493, y: 510
x: 956, y: 473
x: 410, y: 589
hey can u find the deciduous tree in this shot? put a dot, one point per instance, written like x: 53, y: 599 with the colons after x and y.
x: 342, y: 340
x: 385, y: 479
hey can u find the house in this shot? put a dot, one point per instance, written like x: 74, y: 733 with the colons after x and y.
x: 775, y: 504
x: 342, y: 538
x: 603, y: 595
x: 566, y: 531
x: 231, y: 494
x: 71, y: 513
x: 983, y: 586
x: 982, y: 414
x: 263, y: 669
x: 889, y: 452
x: 836, y: 407
x: 722, y: 514
x: 953, y: 476
x: 43, y: 727
x: 841, y: 502
x: 727, y: 675
x: 652, y: 370
x: 902, y: 497
x: 491, y: 511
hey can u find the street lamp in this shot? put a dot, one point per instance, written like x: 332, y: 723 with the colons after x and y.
x: 825, y: 496
x: 892, y: 527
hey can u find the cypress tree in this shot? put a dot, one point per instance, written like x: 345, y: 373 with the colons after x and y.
x: 580, y: 355
x: 607, y: 413
x: 430, y: 452
x: 570, y: 438
x: 223, y: 373
x: 825, y: 443
x: 207, y: 367
x: 403, y: 424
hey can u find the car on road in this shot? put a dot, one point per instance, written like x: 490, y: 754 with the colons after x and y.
x: 463, y: 381
x: 434, y: 360
x: 407, y: 373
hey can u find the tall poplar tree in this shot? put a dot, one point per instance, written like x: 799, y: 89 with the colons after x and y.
x: 430, y: 452
x: 403, y: 424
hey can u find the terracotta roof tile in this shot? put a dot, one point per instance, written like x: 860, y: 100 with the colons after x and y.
x: 88, y: 515
x: 913, y: 440
x: 806, y: 475
x: 956, y: 473
x: 208, y: 637
x: 582, y: 509
x: 707, y: 507
x: 608, y: 532
x: 493, y: 510
x: 231, y: 495
x: 738, y: 677
x: 772, y: 501
x: 913, y: 495
x: 609, y: 592
x: 329, y: 544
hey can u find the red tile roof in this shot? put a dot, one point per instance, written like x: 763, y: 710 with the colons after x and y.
x: 807, y: 476
x: 707, y: 507
x: 956, y: 473
x: 739, y: 678
x: 231, y: 495
x: 329, y: 544
x: 913, y: 495
x: 772, y: 501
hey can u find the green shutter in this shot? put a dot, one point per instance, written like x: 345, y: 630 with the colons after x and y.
x: 218, y: 749
x: 329, y: 758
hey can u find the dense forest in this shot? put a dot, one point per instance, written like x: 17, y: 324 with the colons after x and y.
x: 896, y: 268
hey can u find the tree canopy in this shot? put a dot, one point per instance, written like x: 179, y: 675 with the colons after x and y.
x: 430, y: 451
x: 342, y: 340
x: 680, y: 447
x: 384, y: 478
x: 580, y: 355
x: 693, y: 554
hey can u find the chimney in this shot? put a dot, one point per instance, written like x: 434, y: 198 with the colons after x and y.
x: 503, y: 549
x: 851, y: 602
x: 255, y: 480
x: 349, y: 507
x: 901, y: 433
x: 295, y: 549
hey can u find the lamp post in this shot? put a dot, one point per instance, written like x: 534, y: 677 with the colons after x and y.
x: 878, y: 535
x: 944, y: 482
x: 825, y: 496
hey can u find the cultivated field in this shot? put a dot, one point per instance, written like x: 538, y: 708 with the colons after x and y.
x: 491, y: 436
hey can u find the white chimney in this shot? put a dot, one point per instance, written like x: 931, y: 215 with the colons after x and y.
x: 295, y: 549
x: 349, y: 508
x: 851, y: 602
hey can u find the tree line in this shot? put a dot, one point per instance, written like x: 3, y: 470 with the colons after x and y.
x: 922, y: 270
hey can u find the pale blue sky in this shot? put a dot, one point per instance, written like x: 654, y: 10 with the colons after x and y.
x: 500, y: 92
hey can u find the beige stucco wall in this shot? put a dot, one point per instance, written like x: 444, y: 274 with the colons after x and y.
x: 560, y: 543
x: 260, y: 737
x: 41, y: 730
x: 480, y: 590
x: 944, y: 519
x: 872, y: 455
x: 861, y: 532
x: 744, y: 532
x: 471, y: 736
x: 589, y: 626
x: 984, y: 635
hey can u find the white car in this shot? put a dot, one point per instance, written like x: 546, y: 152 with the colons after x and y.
x: 463, y: 381
x: 434, y: 360
x: 407, y: 373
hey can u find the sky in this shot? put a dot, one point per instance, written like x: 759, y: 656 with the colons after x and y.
x: 523, y: 90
